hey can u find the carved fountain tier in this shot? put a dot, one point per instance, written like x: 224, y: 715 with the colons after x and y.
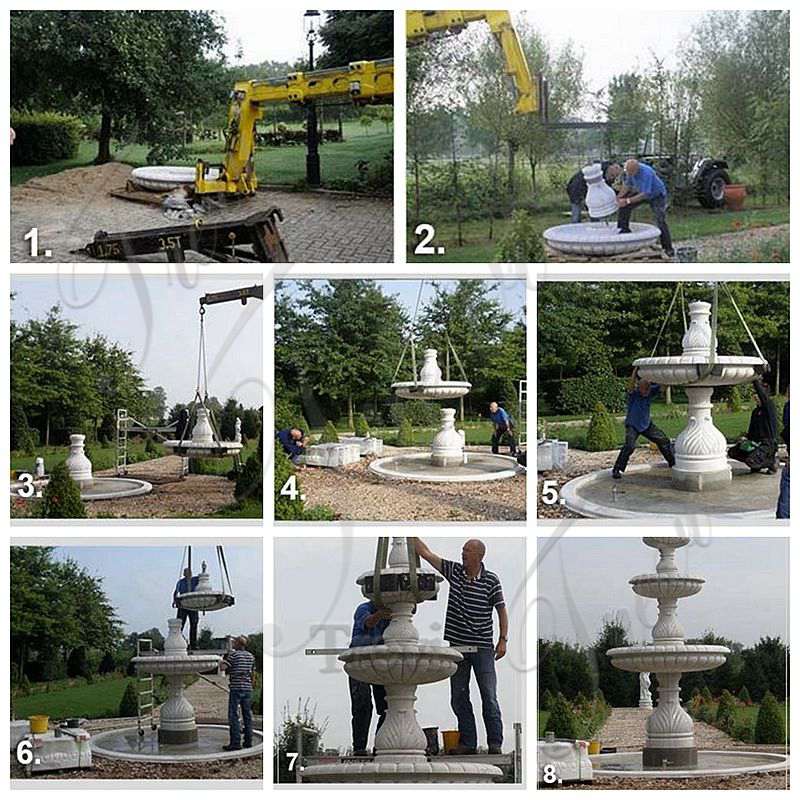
x: 670, y: 730
x: 599, y: 238
x: 701, y: 461
x: 203, y: 442
x: 447, y: 460
x: 401, y: 664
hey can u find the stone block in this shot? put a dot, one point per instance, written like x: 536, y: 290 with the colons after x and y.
x: 20, y: 728
x: 551, y: 454
x: 367, y: 445
x: 332, y: 455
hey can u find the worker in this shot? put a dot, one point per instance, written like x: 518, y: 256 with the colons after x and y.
x: 474, y: 594
x: 187, y: 584
x: 294, y: 443
x: 577, y: 188
x: 183, y: 427
x: 783, y: 498
x: 240, y: 664
x: 640, y: 185
x: 369, y: 623
x: 503, y: 426
x: 758, y: 448
x: 641, y: 394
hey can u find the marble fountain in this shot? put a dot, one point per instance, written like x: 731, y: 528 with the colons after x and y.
x: 401, y: 664
x: 178, y: 738
x: 204, y: 442
x: 703, y: 480
x: 599, y: 237
x: 670, y: 750
x: 447, y: 460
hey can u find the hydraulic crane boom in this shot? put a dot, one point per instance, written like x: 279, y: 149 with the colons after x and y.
x: 363, y: 82
x: 531, y: 93
x: 210, y: 299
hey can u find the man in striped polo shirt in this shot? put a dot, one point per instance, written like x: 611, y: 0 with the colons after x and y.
x: 474, y: 594
x: 240, y: 665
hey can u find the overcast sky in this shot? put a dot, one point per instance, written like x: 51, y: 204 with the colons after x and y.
x: 157, y: 318
x: 582, y: 580
x: 139, y: 582
x: 509, y: 293
x: 315, y: 584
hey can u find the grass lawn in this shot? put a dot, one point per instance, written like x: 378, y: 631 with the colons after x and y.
x: 684, y: 223
x: 543, y: 717
x: 672, y: 422
x: 93, y: 701
x: 274, y: 165
x: 102, y: 457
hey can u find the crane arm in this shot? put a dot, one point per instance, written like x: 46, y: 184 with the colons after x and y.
x: 362, y: 82
x: 422, y: 25
x: 243, y: 295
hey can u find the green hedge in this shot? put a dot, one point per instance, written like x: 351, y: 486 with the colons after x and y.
x: 582, y: 394
x: 43, y: 137
x: 420, y: 413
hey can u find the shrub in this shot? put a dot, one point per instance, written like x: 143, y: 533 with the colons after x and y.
x: 203, y: 466
x: 77, y: 665
x: 329, y: 434
x: 151, y: 448
x: 706, y: 692
x: 602, y: 433
x: 726, y: 712
x: 287, y: 508
x: 581, y: 394
x: 735, y: 399
x: 62, y: 497
x: 405, y: 436
x: 289, y: 415
x: 562, y: 719
x: 23, y: 437
x: 418, y: 412
x: 107, y: 664
x: 695, y: 692
x: 547, y: 700
x: 744, y: 696
x: 770, y: 727
x: 706, y: 713
x: 360, y: 425
x: 744, y: 732
x: 43, y: 137
x: 128, y: 706
x: 522, y: 243
x: 250, y: 481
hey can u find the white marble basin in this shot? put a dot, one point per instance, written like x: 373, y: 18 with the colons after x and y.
x: 698, y: 370
x: 175, y: 665
x: 667, y: 586
x: 401, y: 664
x: 668, y: 658
x: 444, y: 390
x: 600, y: 238
x: 162, y: 179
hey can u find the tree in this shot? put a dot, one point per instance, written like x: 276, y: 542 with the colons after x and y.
x: 128, y: 705
x: 205, y: 640
x: 356, y: 36
x: 135, y: 68
x: 770, y: 724
x: 602, y: 433
x: 620, y: 688
x: 61, y: 498
x: 285, y: 738
x: 562, y: 720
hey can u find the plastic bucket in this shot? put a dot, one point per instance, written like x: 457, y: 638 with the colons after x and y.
x: 594, y: 747
x: 38, y: 723
x: 450, y: 739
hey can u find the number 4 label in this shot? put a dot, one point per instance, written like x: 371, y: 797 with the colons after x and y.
x: 290, y: 490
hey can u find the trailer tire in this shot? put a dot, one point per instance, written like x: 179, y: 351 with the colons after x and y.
x: 711, y: 188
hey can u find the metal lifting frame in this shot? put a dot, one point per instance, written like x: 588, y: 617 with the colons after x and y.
x: 126, y: 424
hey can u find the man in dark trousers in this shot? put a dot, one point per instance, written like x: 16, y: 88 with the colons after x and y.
x: 185, y: 585
x: 577, y: 188
x: 369, y: 623
x: 503, y: 427
x: 474, y: 594
x: 240, y: 665
x: 783, y: 499
x: 759, y: 448
x: 641, y: 394
x: 641, y: 184
x: 294, y: 443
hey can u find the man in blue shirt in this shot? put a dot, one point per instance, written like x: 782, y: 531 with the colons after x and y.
x: 640, y: 185
x: 503, y: 426
x: 187, y: 584
x: 638, y: 423
x: 369, y: 623
x: 293, y: 442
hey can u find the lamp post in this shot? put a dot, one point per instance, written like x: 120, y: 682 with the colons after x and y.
x: 310, y: 23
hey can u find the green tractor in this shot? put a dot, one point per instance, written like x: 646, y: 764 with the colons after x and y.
x: 704, y: 181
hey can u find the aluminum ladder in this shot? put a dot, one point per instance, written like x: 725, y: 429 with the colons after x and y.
x: 122, y: 442
x: 522, y: 400
x: 145, y: 698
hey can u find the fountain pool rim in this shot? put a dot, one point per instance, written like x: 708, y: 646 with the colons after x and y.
x: 136, y: 488
x: 757, y: 761
x: 380, y: 467
x: 403, y: 772
x: 570, y: 494
x: 575, y: 238
x: 222, y: 755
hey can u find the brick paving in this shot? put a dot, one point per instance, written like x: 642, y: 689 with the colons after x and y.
x: 69, y: 207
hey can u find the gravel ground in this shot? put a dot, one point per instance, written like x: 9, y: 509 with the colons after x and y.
x: 194, y: 496
x: 624, y: 729
x: 718, y: 248
x: 355, y: 493
x: 69, y: 207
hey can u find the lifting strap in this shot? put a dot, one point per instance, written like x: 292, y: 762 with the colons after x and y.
x: 201, y: 392
x: 678, y: 289
x: 410, y: 341
x: 744, y: 324
x: 224, y: 575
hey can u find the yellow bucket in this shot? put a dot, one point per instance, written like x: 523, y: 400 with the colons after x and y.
x: 450, y: 739
x: 38, y: 723
x: 594, y: 747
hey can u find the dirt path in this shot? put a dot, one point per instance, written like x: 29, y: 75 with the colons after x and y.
x: 209, y: 696
x: 69, y: 207
x: 355, y: 493
x: 721, y: 246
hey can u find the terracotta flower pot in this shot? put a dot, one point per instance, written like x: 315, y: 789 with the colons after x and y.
x: 734, y: 194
